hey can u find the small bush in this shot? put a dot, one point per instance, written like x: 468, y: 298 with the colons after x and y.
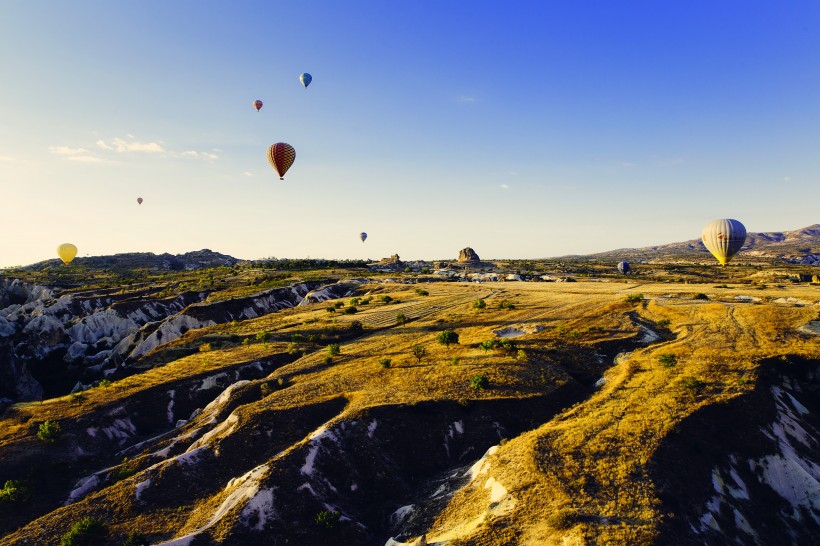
x: 350, y: 311
x: 86, y: 532
x: 634, y: 298
x: 479, y: 304
x: 297, y: 338
x: 205, y: 347
x: 354, y: 301
x: 455, y: 360
x: 668, y: 360
x: 246, y: 341
x: 700, y: 296
x: 263, y: 337
x: 692, y: 385
x: 49, y: 431
x: 507, y: 345
x: 135, y: 539
x: 328, y: 360
x: 479, y: 382
x: 401, y: 318
x: 506, y: 305
x: 339, y: 304
x: 366, y: 300
x: 419, y: 352
x: 14, y: 491
x: 356, y: 327
x: 422, y: 292
x: 385, y: 299
x: 330, y: 309
x: 104, y: 383
x: 385, y: 362
x: 407, y: 269
x: 488, y: 345
x: 313, y: 339
x: 334, y: 350
x: 664, y: 323
x: 447, y: 337
x: 327, y: 519
x: 521, y: 356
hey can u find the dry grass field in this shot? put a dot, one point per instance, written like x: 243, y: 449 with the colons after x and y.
x: 576, y: 385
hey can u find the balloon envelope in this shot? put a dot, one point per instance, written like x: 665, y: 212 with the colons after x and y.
x: 281, y: 156
x: 258, y: 104
x: 139, y: 200
x: 724, y: 238
x: 363, y: 236
x: 305, y: 79
x: 66, y: 252
x: 624, y: 268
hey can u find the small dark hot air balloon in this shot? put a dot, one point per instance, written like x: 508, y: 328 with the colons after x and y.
x: 258, y: 104
x: 305, y: 79
x: 281, y: 156
x: 363, y: 236
x: 139, y: 200
x: 623, y: 268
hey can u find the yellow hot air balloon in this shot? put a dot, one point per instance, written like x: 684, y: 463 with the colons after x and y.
x: 66, y: 252
x: 724, y: 238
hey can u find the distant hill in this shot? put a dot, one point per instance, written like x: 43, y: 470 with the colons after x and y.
x: 147, y: 260
x: 797, y: 246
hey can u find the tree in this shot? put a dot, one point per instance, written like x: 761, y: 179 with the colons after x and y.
x: 49, y: 431
x: 419, y: 351
x: 334, y: 350
x: 447, y: 337
x: 385, y: 362
x: 401, y: 318
x: 86, y: 532
x: 479, y: 304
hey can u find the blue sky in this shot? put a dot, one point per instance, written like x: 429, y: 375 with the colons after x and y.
x: 522, y: 129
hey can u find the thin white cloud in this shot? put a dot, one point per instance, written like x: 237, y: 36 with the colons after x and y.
x: 120, y: 145
x: 85, y: 159
x: 199, y: 155
x: 672, y: 162
x: 465, y: 98
x: 247, y: 173
x: 628, y: 165
x: 504, y: 186
x: 786, y: 178
x: 67, y: 150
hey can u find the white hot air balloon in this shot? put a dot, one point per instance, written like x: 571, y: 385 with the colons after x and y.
x: 724, y: 238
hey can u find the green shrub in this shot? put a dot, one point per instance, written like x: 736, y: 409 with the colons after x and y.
x: 407, y: 269
x: 297, y: 338
x: 447, y: 337
x: 354, y: 301
x: 664, y: 323
x: 385, y: 299
x: 507, y: 345
x: 692, y: 385
x: 135, y: 539
x: 634, y: 298
x: 330, y: 309
x: 455, y: 360
x: 334, y: 350
x: 479, y: 382
x: 366, y: 300
x: 86, y: 532
x: 246, y: 341
x: 313, y: 339
x: 385, y: 362
x: 668, y: 360
x: 14, y: 491
x: 49, y: 431
x: 488, y: 345
x: 356, y: 327
x: 419, y: 352
x: 479, y: 304
x: 104, y: 383
x: 350, y: 311
x: 422, y: 292
x: 339, y: 304
x: 506, y: 305
x: 521, y: 356
x: 327, y: 519
x: 263, y: 337
x: 205, y: 347
x: 401, y: 318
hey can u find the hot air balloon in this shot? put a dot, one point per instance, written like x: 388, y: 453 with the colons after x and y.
x: 281, y: 156
x: 258, y: 104
x: 66, y: 252
x: 139, y: 200
x: 624, y: 268
x: 305, y: 79
x: 724, y: 238
x: 363, y: 236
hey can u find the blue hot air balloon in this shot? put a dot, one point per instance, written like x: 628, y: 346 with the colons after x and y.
x: 623, y: 268
x: 305, y: 79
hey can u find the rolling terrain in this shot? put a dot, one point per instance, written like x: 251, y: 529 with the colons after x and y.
x: 679, y: 406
